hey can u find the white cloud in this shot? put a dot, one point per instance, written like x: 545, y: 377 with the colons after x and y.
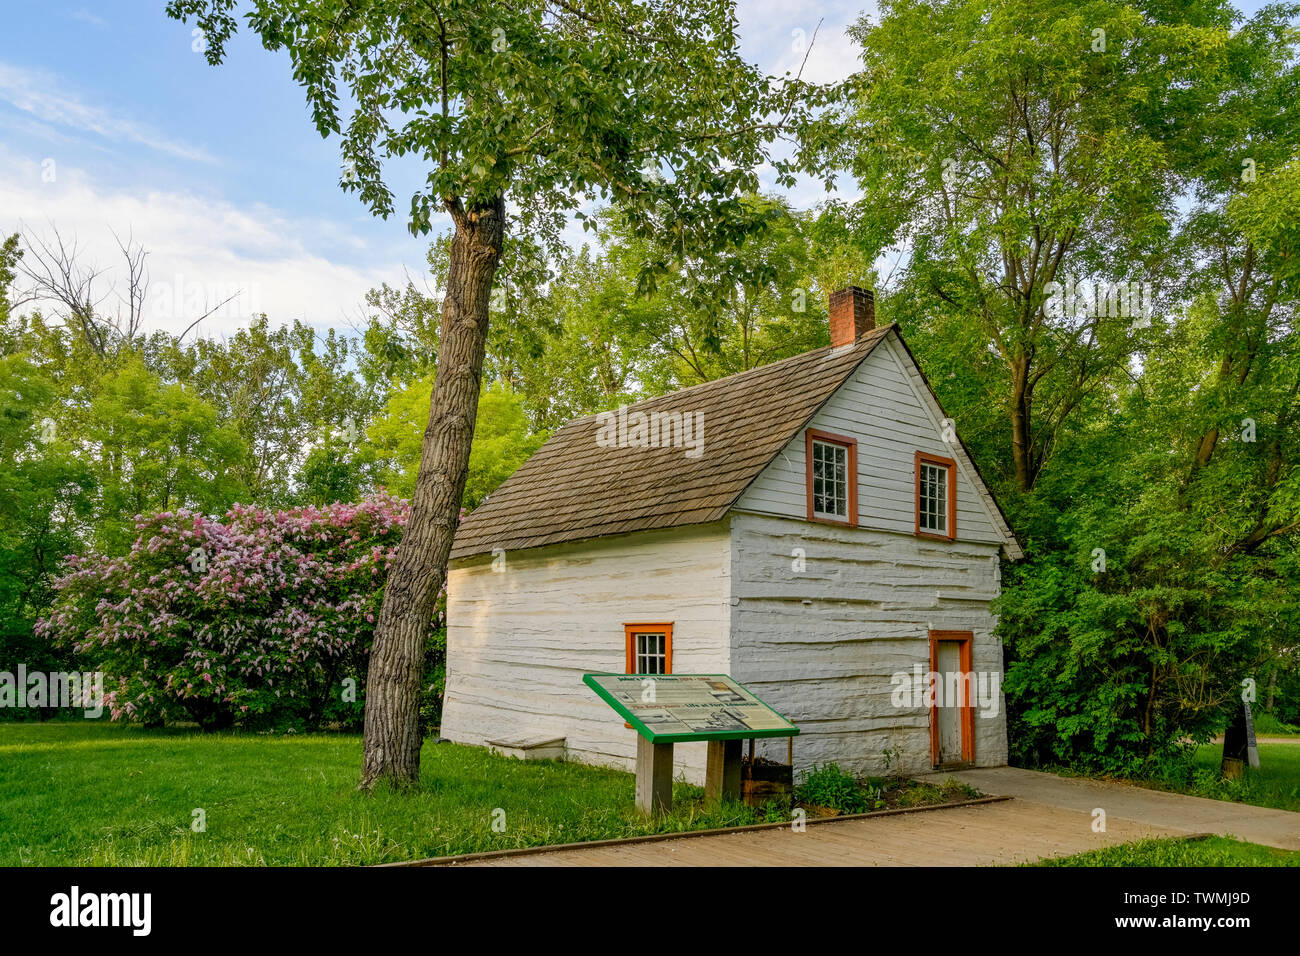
x: 776, y: 35
x: 200, y: 250
x: 85, y: 16
x: 38, y: 94
x: 832, y: 58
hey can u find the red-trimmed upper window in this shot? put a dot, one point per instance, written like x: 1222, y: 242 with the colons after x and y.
x: 832, y: 477
x: 936, y: 496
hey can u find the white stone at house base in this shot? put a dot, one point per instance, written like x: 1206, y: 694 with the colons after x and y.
x: 530, y: 748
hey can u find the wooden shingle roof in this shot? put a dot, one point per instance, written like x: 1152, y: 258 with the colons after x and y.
x: 574, y: 488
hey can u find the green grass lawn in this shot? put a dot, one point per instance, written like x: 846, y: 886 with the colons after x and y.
x: 1276, y: 783
x: 1196, y: 851
x: 82, y: 793
x: 94, y: 793
x: 1266, y: 725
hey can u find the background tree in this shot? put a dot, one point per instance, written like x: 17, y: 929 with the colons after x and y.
x: 107, y: 317
x: 155, y: 447
x: 333, y: 470
x: 536, y: 103
x: 589, y: 340
x: 502, y: 441
x: 1246, y: 137
x: 282, y: 389
x: 47, y: 501
x: 401, y: 328
x: 1159, y: 577
x: 1010, y: 146
x: 47, y: 491
x: 773, y: 309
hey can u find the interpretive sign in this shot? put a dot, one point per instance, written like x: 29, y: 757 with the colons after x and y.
x: 676, y: 708
x: 667, y: 709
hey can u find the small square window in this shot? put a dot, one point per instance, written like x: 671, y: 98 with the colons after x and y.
x: 651, y: 653
x: 649, y: 648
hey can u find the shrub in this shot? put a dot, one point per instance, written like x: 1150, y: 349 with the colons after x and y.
x: 259, y: 619
x: 1184, y: 776
x: 826, y: 785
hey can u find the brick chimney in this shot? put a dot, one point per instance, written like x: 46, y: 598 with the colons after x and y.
x: 853, y: 313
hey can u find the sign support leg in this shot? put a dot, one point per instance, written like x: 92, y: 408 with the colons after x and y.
x: 654, y: 776
x: 722, y: 771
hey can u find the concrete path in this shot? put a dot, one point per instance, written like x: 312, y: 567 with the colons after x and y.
x: 992, y: 833
x: 1124, y: 802
x: 1050, y: 816
x: 1263, y: 740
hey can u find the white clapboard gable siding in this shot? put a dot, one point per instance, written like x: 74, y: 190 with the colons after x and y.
x: 887, y: 408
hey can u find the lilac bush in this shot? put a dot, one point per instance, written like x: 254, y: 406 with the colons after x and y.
x: 259, y: 618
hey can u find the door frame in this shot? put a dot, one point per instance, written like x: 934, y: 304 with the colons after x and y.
x: 967, y: 640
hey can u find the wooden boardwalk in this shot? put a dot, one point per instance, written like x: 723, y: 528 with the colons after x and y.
x: 1014, y: 831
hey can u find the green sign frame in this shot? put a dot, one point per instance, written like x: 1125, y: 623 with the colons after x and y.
x: 591, y: 680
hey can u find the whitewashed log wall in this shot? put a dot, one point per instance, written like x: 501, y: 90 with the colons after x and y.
x: 519, y: 640
x: 820, y: 643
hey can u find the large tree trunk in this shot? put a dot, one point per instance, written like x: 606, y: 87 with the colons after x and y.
x: 1022, y: 445
x: 392, y: 735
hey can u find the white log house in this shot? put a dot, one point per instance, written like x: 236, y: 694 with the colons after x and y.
x: 817, y: 531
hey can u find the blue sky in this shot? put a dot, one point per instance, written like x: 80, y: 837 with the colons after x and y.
x: 110, y: 122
